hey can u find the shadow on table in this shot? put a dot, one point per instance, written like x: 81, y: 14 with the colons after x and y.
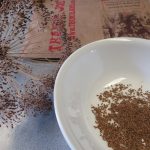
x: 40, y: 133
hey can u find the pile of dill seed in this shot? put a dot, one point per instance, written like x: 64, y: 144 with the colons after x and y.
x: 123, y: 117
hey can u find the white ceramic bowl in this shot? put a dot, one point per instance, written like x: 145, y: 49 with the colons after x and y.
x: 85, y: 73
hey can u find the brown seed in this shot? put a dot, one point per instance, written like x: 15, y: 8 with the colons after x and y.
x: 124, y: 121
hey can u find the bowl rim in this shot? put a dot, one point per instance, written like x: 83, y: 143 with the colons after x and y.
x: 69, y: 141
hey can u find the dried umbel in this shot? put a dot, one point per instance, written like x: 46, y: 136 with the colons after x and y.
x: 122, y: 117
x: 16, y: 101
x: 34, y: 95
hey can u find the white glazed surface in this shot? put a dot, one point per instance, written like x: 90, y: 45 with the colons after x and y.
x: 85, y: 73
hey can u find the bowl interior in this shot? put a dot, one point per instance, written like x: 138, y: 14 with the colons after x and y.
x: 85, y: 74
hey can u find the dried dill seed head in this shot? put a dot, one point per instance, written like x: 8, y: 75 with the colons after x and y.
x: 15, y: 17
x: 123, y: 117
x: 35, y: 98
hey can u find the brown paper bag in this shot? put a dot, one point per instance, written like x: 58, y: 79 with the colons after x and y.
x: 78, y: 22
